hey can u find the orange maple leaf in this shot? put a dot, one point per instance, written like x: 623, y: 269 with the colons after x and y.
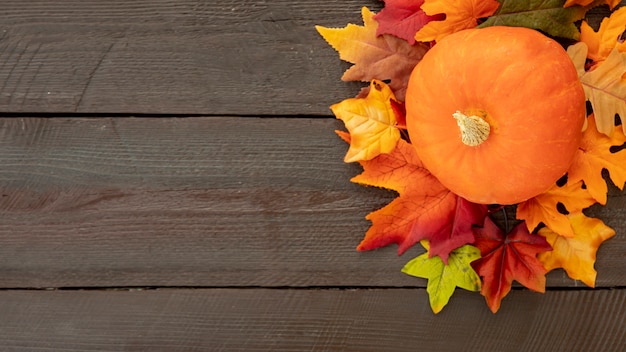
x: 605, y: 86
x: 424, y: 209
x: 544, y: 208
x: 576, y: 255
x: 594, y: 155
x: 382, y: 57
x: 460, y: 14
x: 602, y: 42
x: 371, y: 122
x: 611, y: 3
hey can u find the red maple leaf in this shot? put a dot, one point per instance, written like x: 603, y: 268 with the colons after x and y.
x: 403, y: 18
x: 506, y: 258
x: 424, y: 209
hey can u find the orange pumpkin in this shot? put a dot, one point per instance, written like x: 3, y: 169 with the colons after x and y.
x: 496, y: 114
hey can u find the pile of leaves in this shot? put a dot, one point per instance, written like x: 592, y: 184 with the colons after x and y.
x: 465, y: 247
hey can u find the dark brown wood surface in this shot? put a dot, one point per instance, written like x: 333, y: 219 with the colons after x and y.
x: 201, y: 226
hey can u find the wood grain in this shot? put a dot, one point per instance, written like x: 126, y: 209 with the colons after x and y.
x: 308, y: 320
x: 175, y: 57
x: 215, y: 202
x: 164, y: 56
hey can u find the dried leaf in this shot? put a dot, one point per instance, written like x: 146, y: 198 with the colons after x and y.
x: 548, y: 16
x: 593, y: 156
x: 371, y: 122
x: 602, y: 42
x: 611, y: 3
x: 403, y: 18
x: 442, y: 278
x: 424, y: 209
x: 459, y: 15
x: 576, y: 255
x: 544, y: 208
x: 605, y: 86
x: 506, y: 258
x: 382, y: 58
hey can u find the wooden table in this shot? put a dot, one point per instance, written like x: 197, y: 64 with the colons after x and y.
x: 171, y: 181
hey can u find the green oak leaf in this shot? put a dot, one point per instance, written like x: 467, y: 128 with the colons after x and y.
x: 547, y: 16
x: 443, y: 279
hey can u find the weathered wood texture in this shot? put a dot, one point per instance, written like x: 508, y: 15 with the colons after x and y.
x: 165, y: 56
x: 200, y: 202
x: 311, y: 320
x: 178, y: 57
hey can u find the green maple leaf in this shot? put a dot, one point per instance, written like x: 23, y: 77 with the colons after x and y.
x: 547, y: 16
x: 443, y: 279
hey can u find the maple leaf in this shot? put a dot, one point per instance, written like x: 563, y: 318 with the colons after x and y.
x: 544, y: 208
x: 403, y: 18
x: 594, y: 155
x: 611, y: 3
x: 576, y: 255
x: 384, y: 57
x: 442, y: 278
x: 459, y: 15
x: 506, y: 258
x: 424, y: 209
x: 548, y: 16
x: 602, y: 42
x: 371, y: 122
x: 605, y: 86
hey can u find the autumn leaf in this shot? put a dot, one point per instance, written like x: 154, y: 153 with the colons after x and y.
x: 594, y: 155
x: 548, y: 16
x: 605, y: 86
x: 424, y: 209
x: 602, y: 42
x: 384, y: 57
x: 576, y: 255
x: 371, y: 122
x: 611, y: 3
x: 544, y: 208
x: 442, y: 278
x: 459, y: 15
x: 403, y: 18
x: 506, y: 258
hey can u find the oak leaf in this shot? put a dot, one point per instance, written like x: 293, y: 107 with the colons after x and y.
x: 576, y: 255
x: 384, y: 57
x: 611, y: 3
x: 459, y: 15
x: 403, y: 18
x: 605, y: 86
x: 548, y: 16
x: 544, y: 208
x: 424, y: 209
x: 371, y: 122
x: 595, y: 154
x: 442, y: 278
x: 601, y: 43
x: 506, y: 258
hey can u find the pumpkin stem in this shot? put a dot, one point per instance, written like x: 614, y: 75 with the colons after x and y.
x: 474, y: 130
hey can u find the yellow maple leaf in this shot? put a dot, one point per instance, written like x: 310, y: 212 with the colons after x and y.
x: 576, y: 255
x: 383, y: 57
x: 370, y: 121
x: 602, y: 42
x: 544, y: 208
x: 611, y: 3
x: 605, y: 86
x: 460, y: 14
x: 594, y: 155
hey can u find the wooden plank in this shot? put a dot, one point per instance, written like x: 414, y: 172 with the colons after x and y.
x: 311, y: 320
x: 165, y: 56
x: 200, y: 202
x: 176, y: 57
